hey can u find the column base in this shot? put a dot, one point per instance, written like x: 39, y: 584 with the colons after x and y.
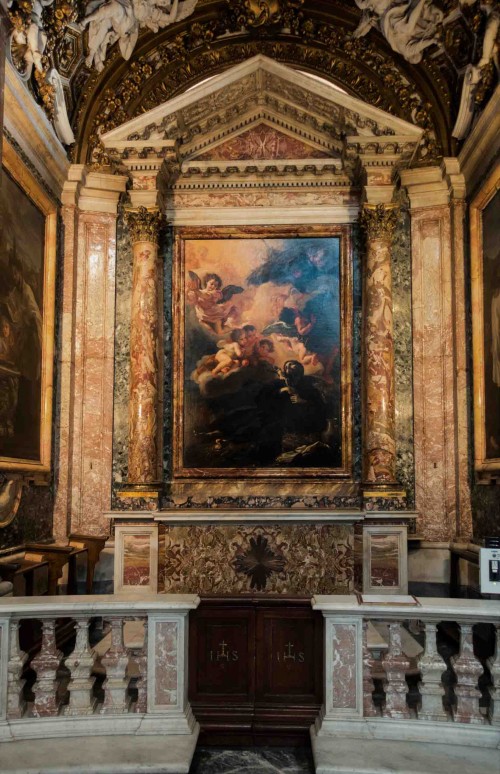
x: 149, y: 490
x: 374, y: 490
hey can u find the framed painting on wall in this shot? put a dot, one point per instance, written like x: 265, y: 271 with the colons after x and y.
x: 485, y: 281
x: 27, y: 285
x: 262, y: 347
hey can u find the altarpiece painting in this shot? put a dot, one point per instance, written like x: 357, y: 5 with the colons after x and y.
x: 263, y: 327
x: 27, y: 265
x: 485, y: 280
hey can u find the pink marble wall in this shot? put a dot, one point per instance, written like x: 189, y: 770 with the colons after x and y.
x: 166, y: 663
x: 344, y: 676
x: 438, y: 350
x: 87, y: 367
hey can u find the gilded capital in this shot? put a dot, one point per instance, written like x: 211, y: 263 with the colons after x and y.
x: 379, y: 220
x: 143, y: 224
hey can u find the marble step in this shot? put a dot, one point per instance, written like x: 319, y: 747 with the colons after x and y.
x: 359, y: 756
x: 132, y: 754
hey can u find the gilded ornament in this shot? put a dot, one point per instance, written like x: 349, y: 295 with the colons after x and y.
x: 144, y: 225
x: 379, y: 220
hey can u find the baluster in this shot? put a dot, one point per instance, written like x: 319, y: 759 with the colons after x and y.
x: 115, y: 661
x: 46, y: 665
x: 395, y: 665
x: 494, y: 690
x: 468, y: 670
x: 141, y: 659
x: 80, y: 664
x: 369, y: 709
x: 16, y: 704
x: 431, y: 667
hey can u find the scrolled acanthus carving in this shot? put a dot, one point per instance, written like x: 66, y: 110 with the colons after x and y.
x: 143, y: 225
x: 379, y: 221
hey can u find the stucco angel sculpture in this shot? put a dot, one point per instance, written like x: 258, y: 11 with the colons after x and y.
x: 120, y: 20
x: 33, y: 38
x: 409, y: 26
x: 474, y: 72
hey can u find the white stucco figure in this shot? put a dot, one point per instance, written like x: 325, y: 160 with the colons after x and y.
x: 409, y: 26
x: 33, y: 38
x: 120, y: 20
x: 474, y: 73
x: 61, y: 120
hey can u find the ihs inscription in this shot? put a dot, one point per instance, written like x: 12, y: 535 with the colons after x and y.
x: 289, y: 654
x: 224, y: 654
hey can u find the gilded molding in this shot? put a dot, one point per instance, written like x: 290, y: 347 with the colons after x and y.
x: 143, y: 225
x: 379, y: 221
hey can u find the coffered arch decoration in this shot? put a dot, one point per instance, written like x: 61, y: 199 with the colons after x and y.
x: 317, y: 38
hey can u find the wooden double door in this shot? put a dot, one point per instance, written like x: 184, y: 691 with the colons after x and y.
x: 256, y: 669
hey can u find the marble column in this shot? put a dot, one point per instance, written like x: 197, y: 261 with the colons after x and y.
x: 86, y: 354
x: 379, y: 446
x: 439, y: 350
x: 144, y: 464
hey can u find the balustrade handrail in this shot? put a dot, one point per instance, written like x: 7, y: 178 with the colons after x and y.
x: 424, y: 608
x: 94, y: 605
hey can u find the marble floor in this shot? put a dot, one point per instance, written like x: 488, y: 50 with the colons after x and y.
x: 257, y: 760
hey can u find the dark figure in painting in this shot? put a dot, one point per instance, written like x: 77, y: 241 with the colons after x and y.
x: 21, y: 346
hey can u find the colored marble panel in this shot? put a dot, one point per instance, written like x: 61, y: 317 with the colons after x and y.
x: 344, y: 674
x: 293, y: 559
x: 136, y: 560
x: 263, y: 142
x: 166, y: 663
x: 384, y: 560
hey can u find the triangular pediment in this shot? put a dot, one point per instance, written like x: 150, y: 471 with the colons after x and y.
x: 262, y: 142
x: 262, y: 90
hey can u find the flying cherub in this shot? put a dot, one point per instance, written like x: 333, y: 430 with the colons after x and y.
x: 210, y: 299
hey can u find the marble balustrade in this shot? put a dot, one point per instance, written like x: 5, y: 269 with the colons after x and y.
x: 126, y: 659
x: 415, y: 669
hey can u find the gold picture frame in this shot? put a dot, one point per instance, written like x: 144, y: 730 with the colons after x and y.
x: 228, y: 239
x: 22, y: 183
x: 485, y: 286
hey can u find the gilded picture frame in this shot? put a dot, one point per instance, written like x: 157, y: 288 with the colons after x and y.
x: 23, y: 200
x: 485, y: 287
x: 284, y: 247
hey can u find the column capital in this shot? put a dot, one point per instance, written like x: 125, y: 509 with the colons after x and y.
x: 379, y: 220
x: 143, y: 224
